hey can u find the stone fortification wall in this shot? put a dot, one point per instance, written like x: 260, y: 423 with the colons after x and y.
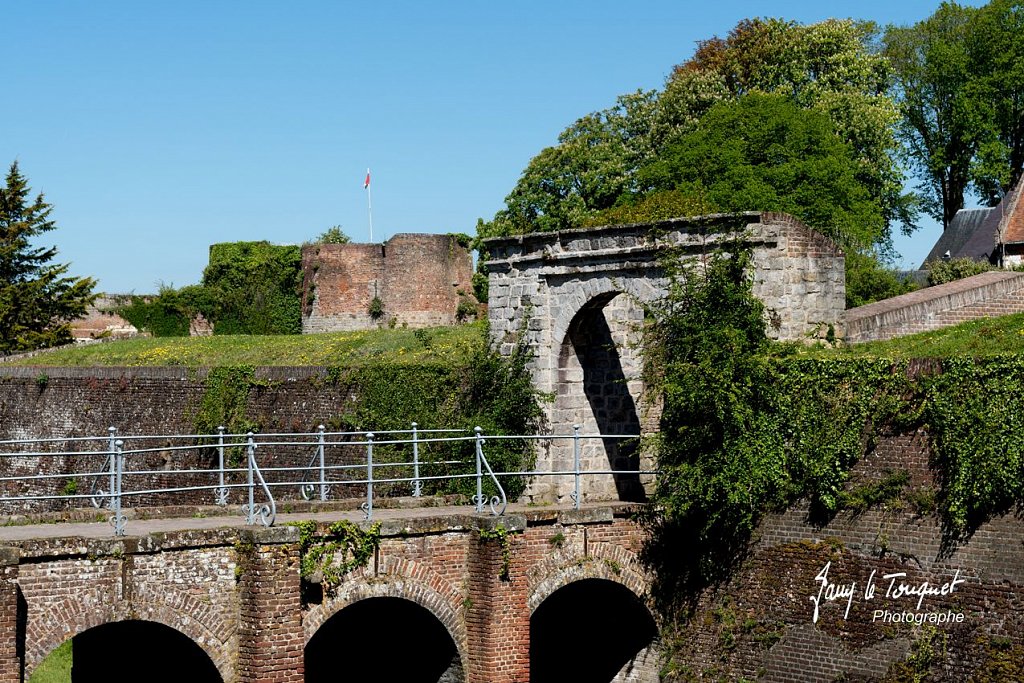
x: 420, y: 280
x: 979, y: 296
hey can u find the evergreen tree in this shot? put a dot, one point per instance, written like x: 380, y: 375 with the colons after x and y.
x: 37, y: 299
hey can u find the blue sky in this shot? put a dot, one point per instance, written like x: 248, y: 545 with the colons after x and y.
x: 157, y: 129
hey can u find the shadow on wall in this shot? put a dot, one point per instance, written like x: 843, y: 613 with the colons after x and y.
x: 604, y: 384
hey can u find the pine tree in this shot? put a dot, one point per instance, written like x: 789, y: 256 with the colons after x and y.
x: 37, y: 299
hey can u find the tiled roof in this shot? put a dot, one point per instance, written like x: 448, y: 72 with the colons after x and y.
x: 1012, y: 218
x: 975, y: 233
x: 969, y: 235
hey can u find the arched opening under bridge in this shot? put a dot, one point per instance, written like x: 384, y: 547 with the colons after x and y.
x: 128, y: 651
x: 592, y: 630
x: 383, y: 639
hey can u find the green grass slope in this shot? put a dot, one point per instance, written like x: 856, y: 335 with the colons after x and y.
x: 349, y: 349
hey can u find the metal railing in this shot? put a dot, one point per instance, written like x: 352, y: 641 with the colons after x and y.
x: 40, y: 472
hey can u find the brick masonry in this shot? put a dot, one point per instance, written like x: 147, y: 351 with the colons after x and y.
x: 421, y: 279
x: 980, y: 296
x: 237, y: 594
x: 561, y: 292
x: 760, y: 624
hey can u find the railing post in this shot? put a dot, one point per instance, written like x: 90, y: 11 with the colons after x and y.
x: 320, y: 455
x: 116, y: 470
x: 111, y: 439
x: 479, y: 469
x: 220, y: 494
x: 417, y: 485
x: 250, y: 460
x: 367, y: 507
x: 576, y: 465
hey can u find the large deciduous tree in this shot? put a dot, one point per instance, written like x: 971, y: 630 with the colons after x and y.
x: 831, y: 68
x: 944, y: 116
x: 999, y: 39
x: 37, y: 298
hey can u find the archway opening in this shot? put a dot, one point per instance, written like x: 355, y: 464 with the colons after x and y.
x: 383, y: 639
x: 128, y: 651
x: 592, y: 630
x: 598, y: 388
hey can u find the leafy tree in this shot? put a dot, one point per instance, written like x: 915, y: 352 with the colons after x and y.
x: 998, y: 38
x: 942, y: 103
x: 762, y: 152
x: 831, y: 68
x: 586, y: 172
x: 37, y: 299
x: 334, y: 235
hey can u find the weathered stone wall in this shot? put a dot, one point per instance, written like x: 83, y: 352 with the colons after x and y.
x: 419, y: 278
x: 69, y: 403
x: 979, y: 296
x: 560, y: 290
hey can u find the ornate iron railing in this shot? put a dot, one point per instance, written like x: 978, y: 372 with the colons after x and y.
x: 57, y: 471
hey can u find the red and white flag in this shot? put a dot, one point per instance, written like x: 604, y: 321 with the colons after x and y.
x: 366, y: 183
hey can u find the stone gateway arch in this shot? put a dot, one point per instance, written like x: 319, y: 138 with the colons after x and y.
x: 576, y: 299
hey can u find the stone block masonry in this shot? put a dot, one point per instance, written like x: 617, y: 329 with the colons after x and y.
x: 576, y: 299
x: 420, y: 280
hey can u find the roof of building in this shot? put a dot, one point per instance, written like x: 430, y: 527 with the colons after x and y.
x: 1011, y: 219
x: 976, y: 233
x: 970, y: 234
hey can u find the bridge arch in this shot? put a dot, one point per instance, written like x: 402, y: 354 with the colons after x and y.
x: 120, y: 649
x: 398, y: 580
x: 596, y: 601
x: 60, y: 621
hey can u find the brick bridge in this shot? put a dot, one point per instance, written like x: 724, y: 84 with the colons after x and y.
x: 201, y: 601
x: 562, y: 289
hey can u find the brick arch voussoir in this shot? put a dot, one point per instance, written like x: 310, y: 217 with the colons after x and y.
x: 69, y: 618
x: 602, y: 561
x: 399, y: 578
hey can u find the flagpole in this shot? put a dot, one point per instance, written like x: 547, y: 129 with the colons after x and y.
x: 369, y: 204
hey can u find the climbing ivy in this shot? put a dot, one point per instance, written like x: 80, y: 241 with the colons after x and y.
x: 488, y: 390
x: 329, y: 556
x: 500, y: 534
x: 224, y: 400
x: 751, y: 427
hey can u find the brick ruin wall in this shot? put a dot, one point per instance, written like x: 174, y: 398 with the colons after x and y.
x: 759, y: 625
x: 420, y: 279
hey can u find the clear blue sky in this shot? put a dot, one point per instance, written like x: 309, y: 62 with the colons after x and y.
x: 157, y: 129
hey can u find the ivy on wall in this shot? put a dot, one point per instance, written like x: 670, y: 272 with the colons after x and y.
x: 247, y: 288
x: 751, y: 427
